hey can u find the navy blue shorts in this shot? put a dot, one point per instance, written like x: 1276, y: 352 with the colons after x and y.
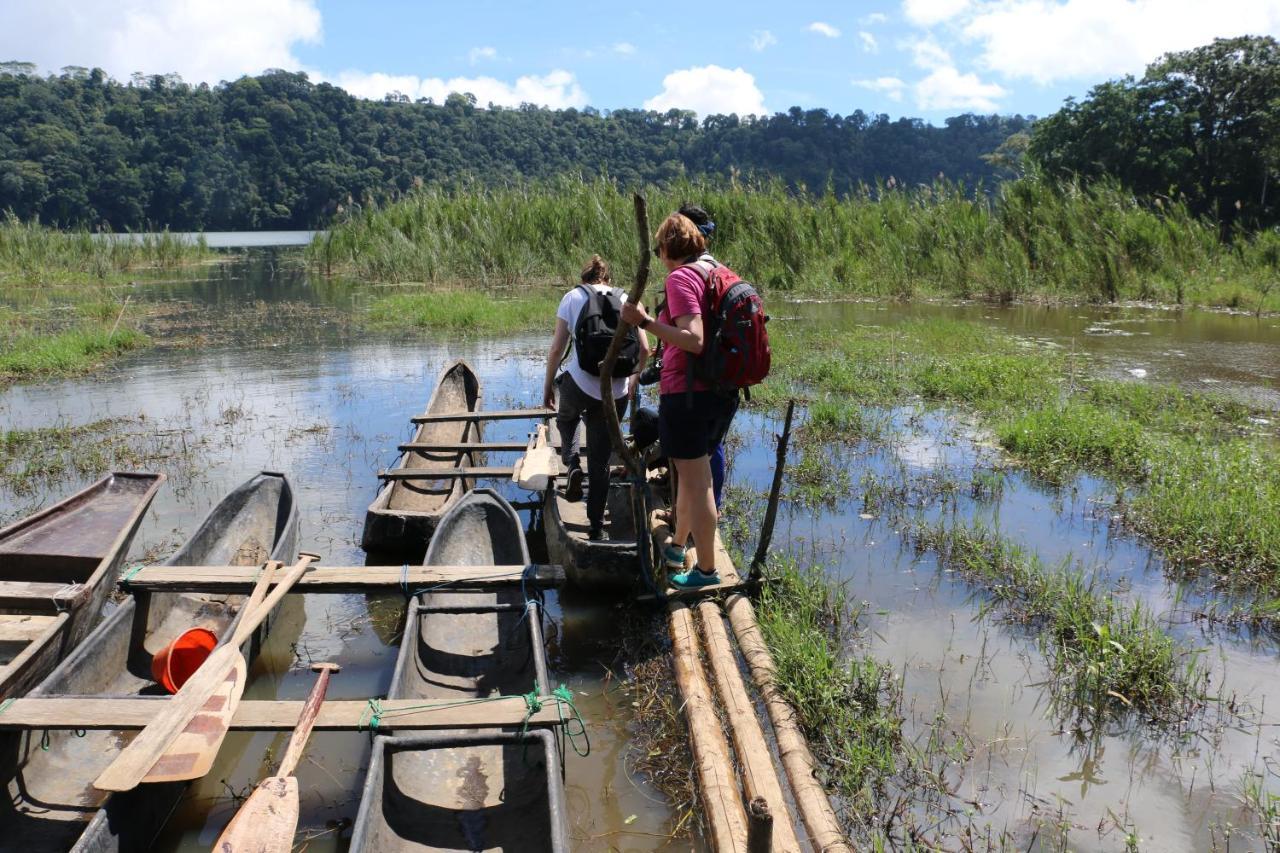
x: 692, y: 425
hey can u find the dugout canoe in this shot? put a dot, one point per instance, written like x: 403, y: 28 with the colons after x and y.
x: 405, y: 514
x: 612, y: 566
x: 57, y: 568
x: 467, y: 790
x: 52, y: 804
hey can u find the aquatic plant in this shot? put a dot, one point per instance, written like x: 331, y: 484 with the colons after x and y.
x: 1107, y: 656
x: 61, y: 353
x: 31, y: 252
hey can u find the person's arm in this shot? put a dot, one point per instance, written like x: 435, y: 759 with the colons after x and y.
x: 686, y: 333
x: 645, y: 351
x: 559, y: 341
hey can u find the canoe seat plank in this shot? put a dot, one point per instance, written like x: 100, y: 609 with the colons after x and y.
x: 20, y: 628
x: 231, y: 580
x: 96, y: 712
x: 30, y: 595
x: 496, y: 415
x: 461, y: 446
x: 442, y: 473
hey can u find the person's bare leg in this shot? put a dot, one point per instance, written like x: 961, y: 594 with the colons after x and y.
x: 696, y: 509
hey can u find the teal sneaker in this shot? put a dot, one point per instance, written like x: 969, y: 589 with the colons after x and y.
x: 695, y: 578
x: 673, y: 556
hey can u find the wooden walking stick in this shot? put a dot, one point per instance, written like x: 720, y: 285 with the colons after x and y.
x: 268, y: 820
x: 152, y: 756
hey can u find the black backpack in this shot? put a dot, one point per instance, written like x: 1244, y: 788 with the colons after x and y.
x: 592, y: 334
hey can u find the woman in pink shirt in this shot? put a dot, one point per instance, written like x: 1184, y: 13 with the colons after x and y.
x: 691, y: 420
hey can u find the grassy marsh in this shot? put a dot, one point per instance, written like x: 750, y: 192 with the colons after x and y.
x: 1021, y: 239
x: 31, y: 253
x: 1106, y: 656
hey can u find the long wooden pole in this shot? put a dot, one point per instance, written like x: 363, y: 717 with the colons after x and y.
x: 759, y: 778
x: 619, y: 336
x: 775, y: 493
x: 722, y: 803
x: 798, y: 762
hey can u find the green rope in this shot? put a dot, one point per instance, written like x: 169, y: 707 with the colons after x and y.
x: 565, y: 697
x: 4, y: 706
x: 129, y: 575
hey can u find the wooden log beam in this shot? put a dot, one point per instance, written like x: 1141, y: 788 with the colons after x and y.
x: 478, y: 446
x: 775, y: 494
x: 95, y: 712
x: 759, y: 777
x: 721, y: 800
x: 811, y: 800
x: 239, y: 580
x: 443, y: 473
x: 503, y: 415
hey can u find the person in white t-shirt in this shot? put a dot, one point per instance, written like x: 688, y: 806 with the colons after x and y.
x: 579, y: 400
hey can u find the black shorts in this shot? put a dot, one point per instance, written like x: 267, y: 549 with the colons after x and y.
x: 693, y: 425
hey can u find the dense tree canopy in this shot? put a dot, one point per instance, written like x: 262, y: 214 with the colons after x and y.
x: 1202, y: 125
x: 278, y: 151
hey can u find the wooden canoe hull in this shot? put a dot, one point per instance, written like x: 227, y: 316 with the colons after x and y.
x: 78, y: 544
x: 52, y: 805
x: 403, y: 517
x: 425, y: 789
x: 607, y: 567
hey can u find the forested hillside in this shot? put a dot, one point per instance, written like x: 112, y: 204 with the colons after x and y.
x: 278, y: 151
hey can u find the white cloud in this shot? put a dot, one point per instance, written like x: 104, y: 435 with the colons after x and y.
x: 204, y: 42
x: 709, y: 89
x: 481, y: 54
x: 624, y: 48
x: 890, y: 87
x: 824, y: 29
x: 873, y: 19
x: 926, y: 53
x: 947, y: 89
x: 762, y: 39
x: 558, y: 89
x: 1051, y: 40
x: 929, y: 12
x: 869, y: 43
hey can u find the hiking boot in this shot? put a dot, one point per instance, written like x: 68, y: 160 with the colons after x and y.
x: 695, y: 578
x: 597, y: 533
x: 573, y: 491
x: 673, y: 556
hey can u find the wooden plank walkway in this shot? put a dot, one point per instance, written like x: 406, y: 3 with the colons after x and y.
x: 443, y: 473
x: 238, y: 580
x: 93, y: 712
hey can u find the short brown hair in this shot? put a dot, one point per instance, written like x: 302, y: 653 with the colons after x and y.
x: 596, y: 271
x: 678, y: 238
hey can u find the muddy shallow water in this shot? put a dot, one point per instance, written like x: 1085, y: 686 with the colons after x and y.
x: 296, y: 391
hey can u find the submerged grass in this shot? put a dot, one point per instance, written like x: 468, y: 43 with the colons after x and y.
x: 1025, y: 238
x: 1107, y: 656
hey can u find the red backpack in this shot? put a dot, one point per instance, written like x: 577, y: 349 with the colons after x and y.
x: 735, y: 353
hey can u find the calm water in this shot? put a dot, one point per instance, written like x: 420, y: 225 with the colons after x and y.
x: 300, y: 393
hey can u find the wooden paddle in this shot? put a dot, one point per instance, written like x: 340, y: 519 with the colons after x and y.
x: 141, y: 758
x: 187, y: 754
x: 539, y: 464
x: 267, y: 822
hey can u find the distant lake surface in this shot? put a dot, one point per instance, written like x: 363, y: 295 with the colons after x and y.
x: 232, y: 239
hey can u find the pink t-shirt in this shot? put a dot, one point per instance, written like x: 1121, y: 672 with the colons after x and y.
x: 685, y: 291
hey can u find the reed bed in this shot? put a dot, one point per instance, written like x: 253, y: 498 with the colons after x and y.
x: 34, y: 253
x: 1030, y: 238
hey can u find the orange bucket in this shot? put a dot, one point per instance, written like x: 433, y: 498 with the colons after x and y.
x: 179, y: 660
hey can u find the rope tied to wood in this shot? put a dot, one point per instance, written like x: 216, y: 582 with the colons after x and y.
x: 129, y: 575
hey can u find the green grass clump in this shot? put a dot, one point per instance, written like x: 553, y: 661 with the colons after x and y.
x: 845, y: 705
x: 1026, y: 238
x: 467, y: 311
x: 1059, y: 440
x: 1106, y: 656
x: 71, y: 351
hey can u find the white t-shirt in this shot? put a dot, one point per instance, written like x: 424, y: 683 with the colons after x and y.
x: 570, y: 306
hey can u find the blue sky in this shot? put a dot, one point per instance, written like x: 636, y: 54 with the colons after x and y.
x: 926, y: 58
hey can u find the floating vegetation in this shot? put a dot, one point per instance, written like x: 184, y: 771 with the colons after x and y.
x: 31, y: 355
x: 467, y: 311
